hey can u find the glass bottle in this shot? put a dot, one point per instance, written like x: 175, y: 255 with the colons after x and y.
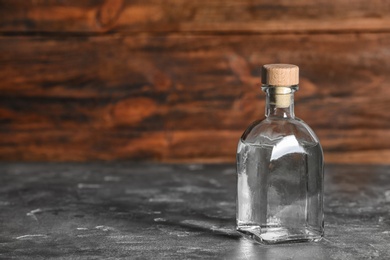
x: 280, y: 168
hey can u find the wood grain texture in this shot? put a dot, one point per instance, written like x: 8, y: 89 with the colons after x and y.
x: 223, y: 16
x: 185, y: 98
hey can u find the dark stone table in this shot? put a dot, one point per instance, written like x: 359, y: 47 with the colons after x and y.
x: 160, y: 211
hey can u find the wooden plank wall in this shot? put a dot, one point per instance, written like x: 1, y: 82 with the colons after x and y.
x: 178, y: 80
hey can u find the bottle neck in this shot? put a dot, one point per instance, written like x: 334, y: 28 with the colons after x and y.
x: 280, y: 101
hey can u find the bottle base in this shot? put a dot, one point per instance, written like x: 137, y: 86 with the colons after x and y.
x: 279, y: 235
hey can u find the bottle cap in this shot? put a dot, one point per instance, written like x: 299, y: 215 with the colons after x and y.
x: 280, y: 74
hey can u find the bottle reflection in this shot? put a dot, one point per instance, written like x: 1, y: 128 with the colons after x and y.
x: 248, y: 249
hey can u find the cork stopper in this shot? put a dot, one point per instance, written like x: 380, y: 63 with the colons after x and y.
x: 282, y: 97
x: 280, y: 74
x: 280, y: 77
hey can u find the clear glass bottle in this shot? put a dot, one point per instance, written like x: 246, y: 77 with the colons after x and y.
x: 280, y: 168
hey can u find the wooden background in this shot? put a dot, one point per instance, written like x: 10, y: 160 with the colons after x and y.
x: 178, y: 80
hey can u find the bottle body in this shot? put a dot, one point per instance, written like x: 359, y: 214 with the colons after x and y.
x: 280, y: 182
x: 280, y: 168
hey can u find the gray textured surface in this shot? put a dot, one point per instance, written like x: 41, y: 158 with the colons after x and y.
x: 140, y: 211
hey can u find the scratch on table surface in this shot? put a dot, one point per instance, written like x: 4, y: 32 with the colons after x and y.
x: 212, y: 181
x: 196, y: 189
x: 5, y: 203
x: 229, y: 171
x: 105, y: 228
x: 88, y: 186
x: 226, y: 203
x: 198, y: 223
x: 387, y: 195
x: 127, y: 239
x: 165, y: 198
x: 142, y: 191
x: 374, y: 251
x: 189, y: 250
x: 32, y: 236
x: 208, y: 225
x: 178, y: 232
x: 215, y: 182
x: 33, y: 212
x: 112, y: 178
x: 82, y: 228
x: 195, y: 167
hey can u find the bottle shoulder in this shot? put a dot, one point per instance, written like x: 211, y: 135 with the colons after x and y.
x: 270, y: 131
